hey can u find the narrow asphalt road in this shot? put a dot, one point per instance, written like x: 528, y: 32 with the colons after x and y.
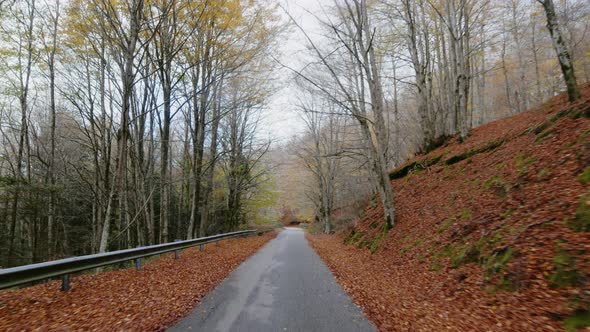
x: 284, y: 287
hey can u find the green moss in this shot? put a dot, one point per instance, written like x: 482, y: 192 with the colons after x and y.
x: 584, y: 178
x: 490, y: 182
x: 498, y: 184
x: 363, y: 243
x: 476, y: 253
x: 436, y: 265
x: 578, y: 321
x: 482, y: 252
x: 412, y: 245
x: 581, y: 222
x: 470, y: 153
x: 541, y: 127
x: 522, y: 163
x: 559, y: 115
x: 452, y: 173
x: 414, y: 166
x: 465, y: 255
x: 436, y: 143
x: 496, y: 262
x: 454, y: 253
x: 448, y: 250
x: 420, y: 257
x: 543, y: 173
x: 576, y: 114
x: 547, y: 123
x: 354, y: 237
x: 375, y: 244
x: 457, y: 255
x: 465, y: 214
x: 565, y: 273
x: 448, y: 222
x: 507, y: 214
x: 544, y: 134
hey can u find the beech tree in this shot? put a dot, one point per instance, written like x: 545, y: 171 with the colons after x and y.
x: 321, y: 153
x: 437, y: 68
x: 358, y: 92
x: 565, y: 61
x: 94, y: 157
x: 21, y: 58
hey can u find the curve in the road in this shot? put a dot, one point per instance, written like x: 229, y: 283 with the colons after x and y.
x: 283, y: 287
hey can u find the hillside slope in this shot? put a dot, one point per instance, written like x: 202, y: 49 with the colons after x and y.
x: 491, y: 234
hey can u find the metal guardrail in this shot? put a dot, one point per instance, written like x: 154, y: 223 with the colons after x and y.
x: 64, y: 267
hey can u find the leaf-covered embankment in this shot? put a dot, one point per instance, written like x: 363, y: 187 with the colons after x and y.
x: 491, y: 234
x: 127, y: 300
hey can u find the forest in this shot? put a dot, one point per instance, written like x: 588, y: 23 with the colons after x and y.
x: 383, y: 81
x: 137, y: 122
x: 129, y: 123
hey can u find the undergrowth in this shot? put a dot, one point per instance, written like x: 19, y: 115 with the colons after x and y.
x: 581, y: 221
x: 577, y: 321
x: 565, y: 267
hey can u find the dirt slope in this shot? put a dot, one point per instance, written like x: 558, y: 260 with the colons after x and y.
x: 491, y: 234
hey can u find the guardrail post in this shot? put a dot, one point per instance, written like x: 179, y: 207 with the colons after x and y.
x: 217, y: 243
x: 201, y: 247
x: 65, y: 282
x: 138, y: 264
x: 176, y: 252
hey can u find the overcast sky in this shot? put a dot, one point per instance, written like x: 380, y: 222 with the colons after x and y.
x: 280, y: 120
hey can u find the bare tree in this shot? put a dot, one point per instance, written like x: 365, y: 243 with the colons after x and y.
x: 565, y: 62
x: 51, y: 48
x: 321, y: 153
x: 125, y: 39
x: 359, y: 94
x: 22, y: 38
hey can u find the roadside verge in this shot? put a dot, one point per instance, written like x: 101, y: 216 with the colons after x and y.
x: 148, y: 300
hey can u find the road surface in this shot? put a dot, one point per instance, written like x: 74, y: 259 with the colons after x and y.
x: 283, y: 287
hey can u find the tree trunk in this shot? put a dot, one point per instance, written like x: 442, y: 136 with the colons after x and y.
x: 204, y: 224
x: 565, y: 62
x: 164, y: 149
x: 127, y: 81
x: 51, y: 168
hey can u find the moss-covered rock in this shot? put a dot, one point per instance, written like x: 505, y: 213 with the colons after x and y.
x: 413, y: 166
x: 469, y: 153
